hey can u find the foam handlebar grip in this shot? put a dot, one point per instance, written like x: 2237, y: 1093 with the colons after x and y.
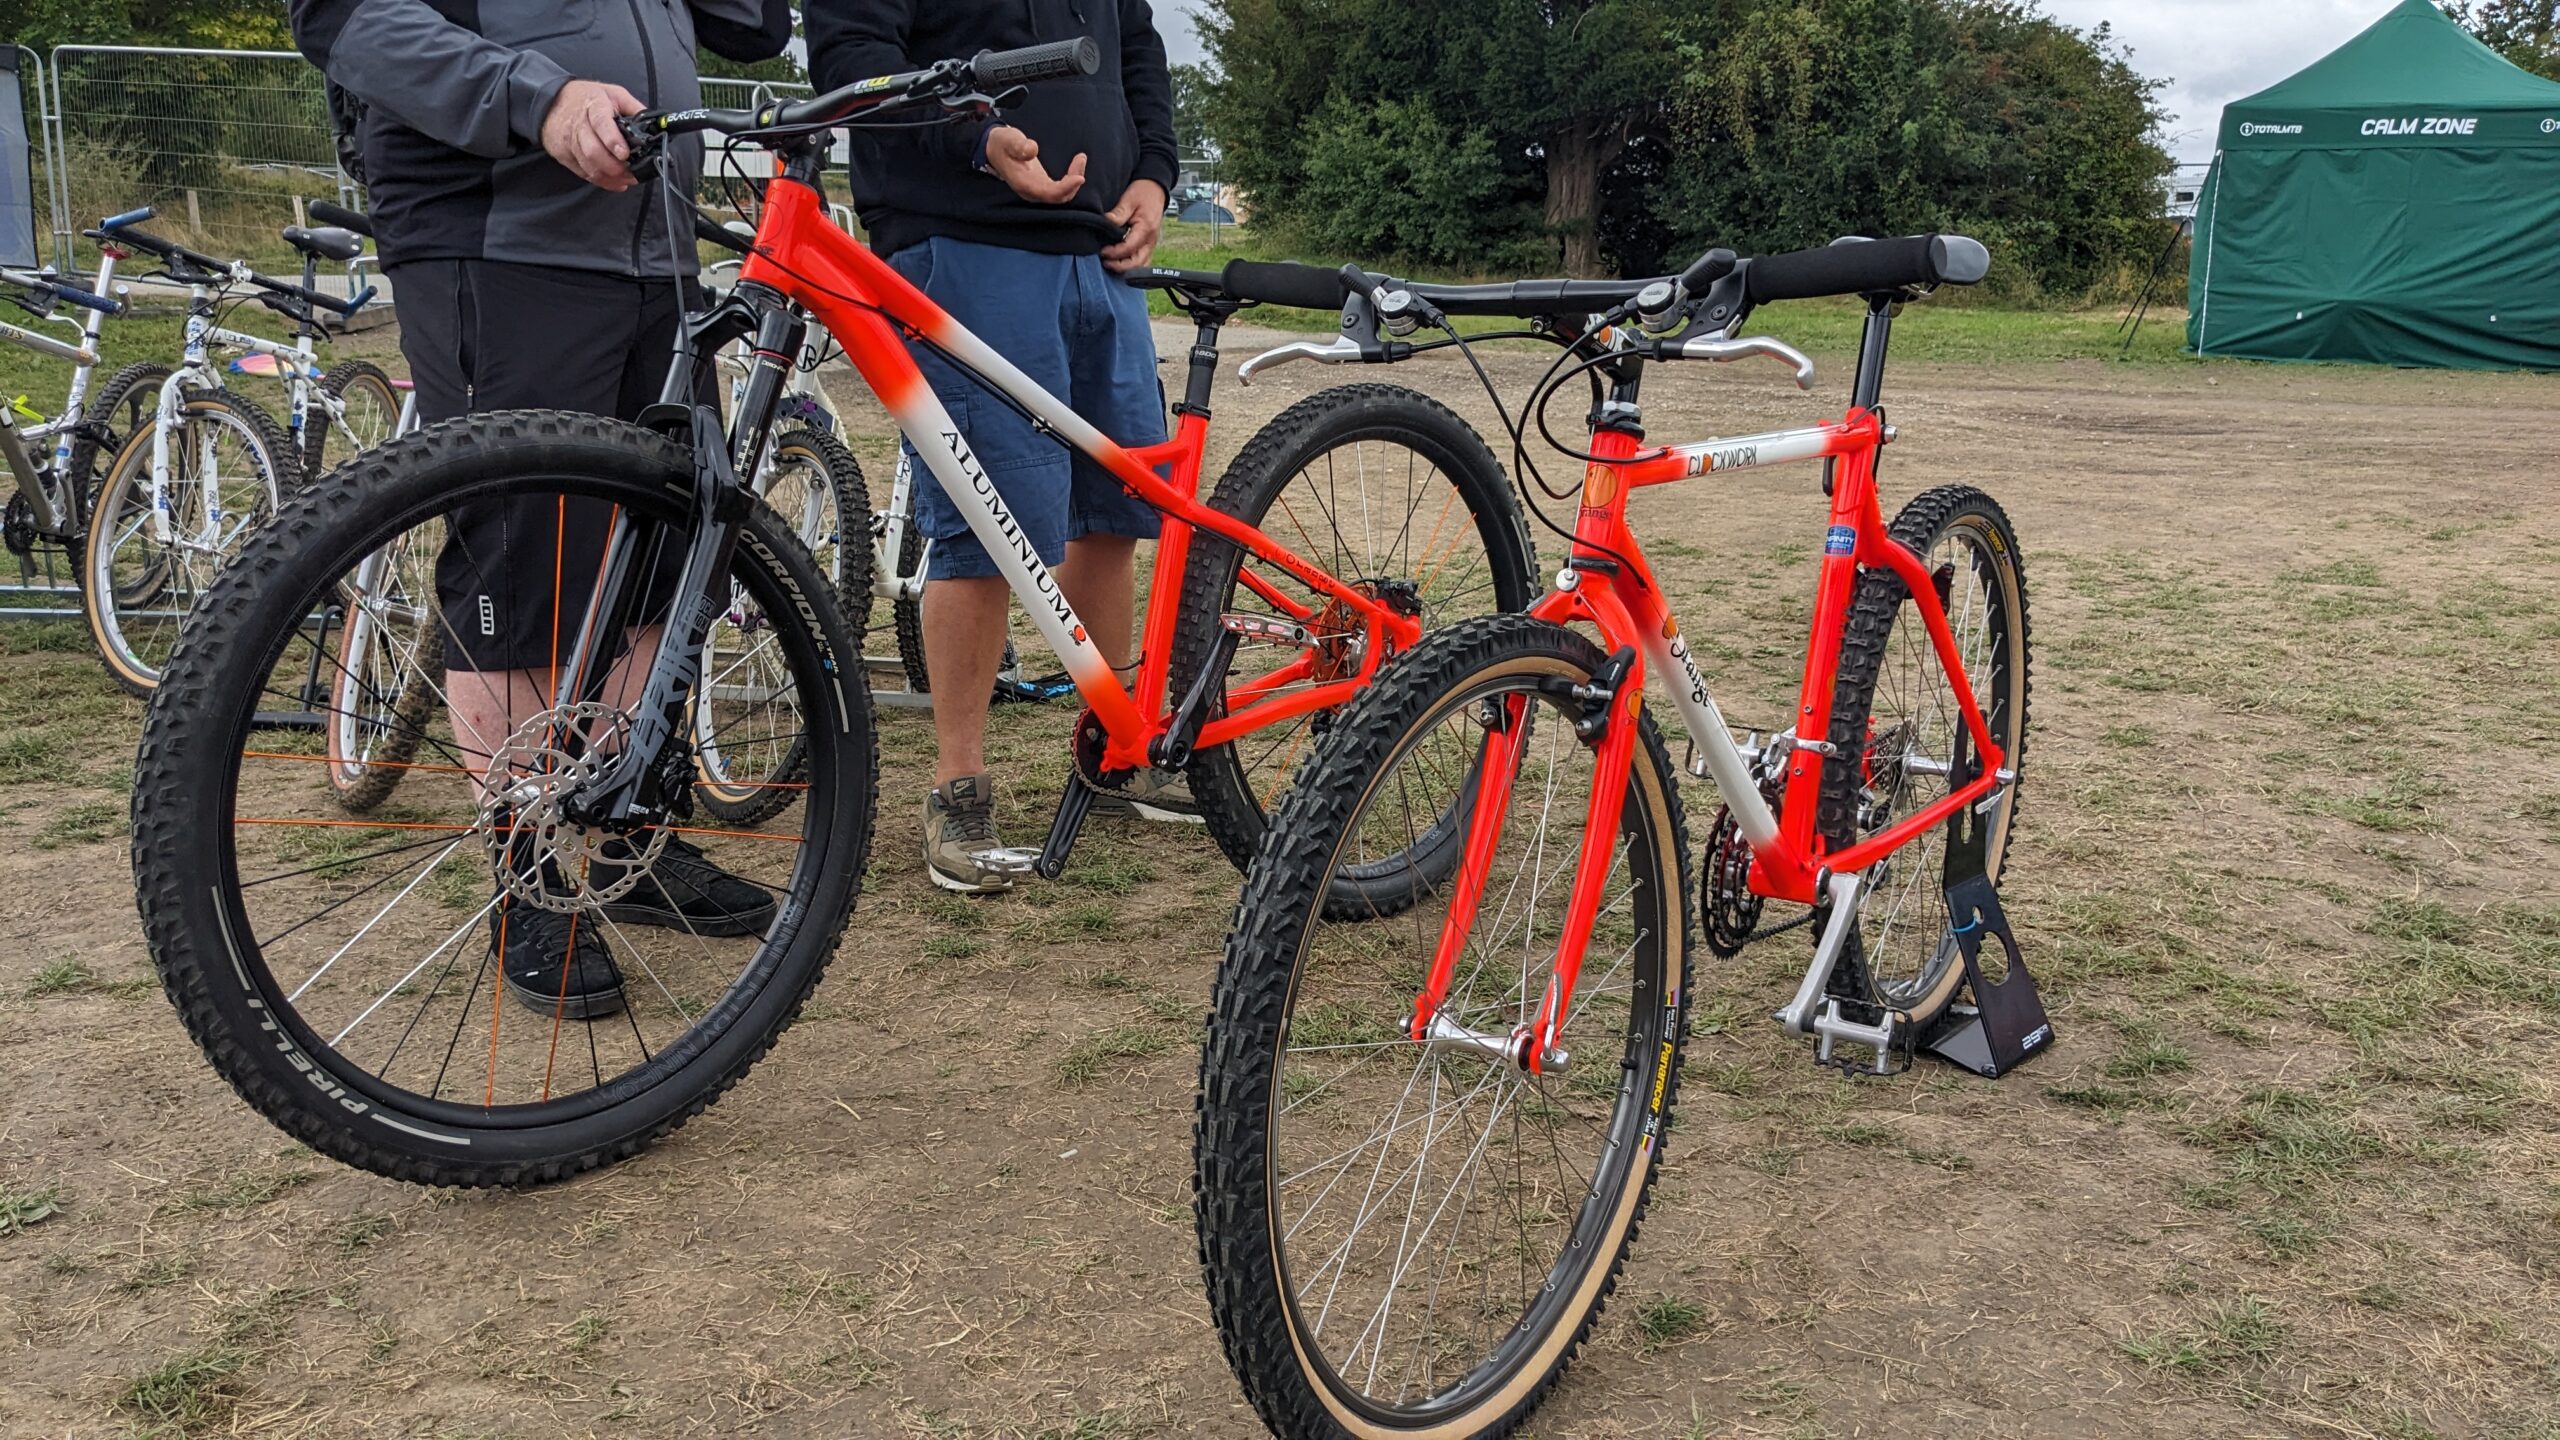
x: 996, y: 69
x: 85, y: 299
x: 1868, y: 267
x: 130, y: 217
x: 1284, y: 282
x: 338, y: 215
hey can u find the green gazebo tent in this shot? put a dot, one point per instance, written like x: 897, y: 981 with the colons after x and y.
x: 2398, y: 203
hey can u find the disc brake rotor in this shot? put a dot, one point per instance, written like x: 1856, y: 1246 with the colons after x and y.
x: 542, y: 858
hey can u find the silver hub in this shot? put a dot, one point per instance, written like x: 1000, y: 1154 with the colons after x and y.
x: 542, y: 858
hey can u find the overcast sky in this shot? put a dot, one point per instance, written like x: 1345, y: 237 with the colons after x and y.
x: 2211, y: 51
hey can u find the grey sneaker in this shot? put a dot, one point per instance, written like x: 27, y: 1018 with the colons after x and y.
x: 1151, y: 794
x: 961, y: 851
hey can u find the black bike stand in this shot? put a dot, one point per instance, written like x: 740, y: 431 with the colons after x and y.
x: 2005, y: 1022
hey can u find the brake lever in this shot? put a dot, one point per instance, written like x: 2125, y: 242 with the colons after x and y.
x: 1340, y: 350
x: 1720, y: 349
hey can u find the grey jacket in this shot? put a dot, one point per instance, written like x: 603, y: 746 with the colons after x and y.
x: 454, y: 92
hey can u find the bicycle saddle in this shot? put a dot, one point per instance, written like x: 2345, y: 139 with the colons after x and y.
x: 328, y: 242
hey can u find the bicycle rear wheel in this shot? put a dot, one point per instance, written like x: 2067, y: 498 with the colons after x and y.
x: 1408, y: 1238
x: 1894, y: 709
x: 390, y: 660
x: 1394, y: 494
x: 142, y: 566
x: 816, y: 487
x: 357, y: 980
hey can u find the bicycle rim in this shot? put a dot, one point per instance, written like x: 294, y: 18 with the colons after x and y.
x: 1444, y: 1221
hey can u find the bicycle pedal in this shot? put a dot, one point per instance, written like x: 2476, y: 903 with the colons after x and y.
x: 1832, y: 1029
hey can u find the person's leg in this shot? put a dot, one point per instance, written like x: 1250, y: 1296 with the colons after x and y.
x: 1100, y: 578
x: 964, y: 621
x: 1115, y: 387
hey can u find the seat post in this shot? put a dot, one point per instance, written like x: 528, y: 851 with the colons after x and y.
x: 1871, y: 350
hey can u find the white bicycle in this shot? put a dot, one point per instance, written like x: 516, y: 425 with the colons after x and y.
x: 53, y: 460
x: 212, y: 464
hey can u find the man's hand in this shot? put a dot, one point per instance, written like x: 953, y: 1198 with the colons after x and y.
x: 581, y: 133
x: 1015, y: 159
x: 1141, y: 211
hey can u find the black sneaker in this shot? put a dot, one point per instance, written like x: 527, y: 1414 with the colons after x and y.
x: 535, y: 962
x: 683, y: 890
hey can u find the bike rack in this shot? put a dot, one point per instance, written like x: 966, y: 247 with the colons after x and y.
x: 2005, y: 1025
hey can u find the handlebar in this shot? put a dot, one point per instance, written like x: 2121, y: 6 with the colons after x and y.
x: 47, y: 285
x: 988, y: 70
x: 705, y: 228
x: 338, y: 215
x: 1867, y: 267
x: 118, y: 229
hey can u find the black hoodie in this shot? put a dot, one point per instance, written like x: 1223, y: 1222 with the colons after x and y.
x: 909, y: 185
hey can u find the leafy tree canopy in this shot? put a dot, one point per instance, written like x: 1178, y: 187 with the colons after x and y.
x: 1628, y: 134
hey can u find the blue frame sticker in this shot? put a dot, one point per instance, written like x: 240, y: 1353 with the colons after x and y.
x: 1841, y: 540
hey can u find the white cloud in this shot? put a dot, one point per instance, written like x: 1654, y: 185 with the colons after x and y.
x: 2212, y: 51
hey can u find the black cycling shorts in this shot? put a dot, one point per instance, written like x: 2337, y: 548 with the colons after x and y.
x: 515, y: 575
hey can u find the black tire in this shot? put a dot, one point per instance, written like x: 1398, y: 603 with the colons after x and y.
x: 384, y: 691
x: 372, y: 408
x: 907, y: 612
x: 136, y: 593
x: 124, y: 404
x: 201, y: 765
x: 1901, y: 958
x: 1283, y: 973
x: 816, y: 486
x: 1235, y: 783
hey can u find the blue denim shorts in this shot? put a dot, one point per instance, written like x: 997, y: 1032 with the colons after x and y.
x: 1082, y: 335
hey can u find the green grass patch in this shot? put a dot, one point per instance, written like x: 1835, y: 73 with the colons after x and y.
x: 84, y: 824
x: 1088, y: 1058
x: 2228, y: 1338
x: 22, y: 1208
x: 186, y: 1391
x: 1669, y: 1319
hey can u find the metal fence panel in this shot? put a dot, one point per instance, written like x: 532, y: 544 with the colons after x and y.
x: 23, y: 142
x: 221, y: 142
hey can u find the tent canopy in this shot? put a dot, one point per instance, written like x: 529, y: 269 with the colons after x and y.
x: 2397, y: 202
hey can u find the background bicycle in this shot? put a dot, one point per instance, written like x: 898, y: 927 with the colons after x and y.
x: 52, y: 461
x: 176, y: 502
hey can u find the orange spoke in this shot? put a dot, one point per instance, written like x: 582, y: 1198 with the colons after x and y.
x: 370, y: 764
x: 354, y: 824
x: 1280, y: 773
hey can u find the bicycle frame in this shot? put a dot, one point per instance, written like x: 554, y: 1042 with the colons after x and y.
x: 51, y: 511
x: 870, y: 308
x: 1608, y: 585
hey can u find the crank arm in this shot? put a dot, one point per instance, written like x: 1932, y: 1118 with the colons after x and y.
x: 1799, y: 1013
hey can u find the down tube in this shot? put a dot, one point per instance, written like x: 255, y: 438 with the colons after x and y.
x: 939, y: 443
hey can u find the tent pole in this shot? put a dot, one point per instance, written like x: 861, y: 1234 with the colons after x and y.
x: 2142, y: 307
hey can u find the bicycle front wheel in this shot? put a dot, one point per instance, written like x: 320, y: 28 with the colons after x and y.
x: 154, y: 547
x: 1408, y: 1237
x: 1894, y: 710
x: 390, y: 660
x: 476, y: 986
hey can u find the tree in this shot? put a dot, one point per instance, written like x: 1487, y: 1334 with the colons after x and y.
x: 2527, y: 32
x: 1192, y: 137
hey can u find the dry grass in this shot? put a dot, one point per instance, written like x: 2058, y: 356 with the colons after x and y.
x: 2285, y: 874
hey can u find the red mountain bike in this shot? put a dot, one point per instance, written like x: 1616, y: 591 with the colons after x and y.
x: 1425, y: 1142
x: 339, y: 971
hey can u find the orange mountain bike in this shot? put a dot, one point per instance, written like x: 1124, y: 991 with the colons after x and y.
x: 353, y: 977
x: 1425, y: 1141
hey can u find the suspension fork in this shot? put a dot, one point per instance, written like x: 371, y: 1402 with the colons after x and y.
x: 632, y: 789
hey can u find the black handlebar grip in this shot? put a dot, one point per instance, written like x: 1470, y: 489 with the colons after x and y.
x: 1284, y: 282
x: 1706, y: 270
x: 996, y: 69
x: 1868, y: 267
x: 705, y: 228
x: 343, y: 218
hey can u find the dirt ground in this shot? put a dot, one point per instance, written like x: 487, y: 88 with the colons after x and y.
x: 2285, y: 869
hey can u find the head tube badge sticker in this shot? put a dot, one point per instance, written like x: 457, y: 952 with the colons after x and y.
x: 1842, y: 540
